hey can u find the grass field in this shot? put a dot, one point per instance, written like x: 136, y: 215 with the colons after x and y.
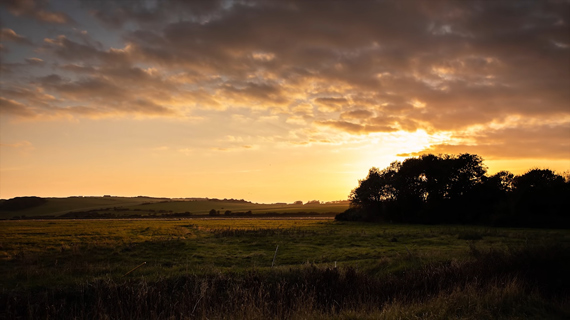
x: 203, y: 207
x: 59, y: 206
x: 45, y: 259
x: 142, y: 206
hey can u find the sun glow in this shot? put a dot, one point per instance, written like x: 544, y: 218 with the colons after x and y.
x: 381, y: 149
x: 237, y: 101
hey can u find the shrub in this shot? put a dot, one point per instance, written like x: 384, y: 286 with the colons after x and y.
x: 351, y: 214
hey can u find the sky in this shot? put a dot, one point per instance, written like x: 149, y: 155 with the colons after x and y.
x: 273, y: 101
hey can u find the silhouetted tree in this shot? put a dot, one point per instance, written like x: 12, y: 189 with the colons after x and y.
x: 455, y: 189
x: 489, y: 201
x: 374, y: 193
x: 541, y: 197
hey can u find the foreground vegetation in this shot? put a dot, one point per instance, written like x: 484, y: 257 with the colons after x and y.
x: 322, y: 269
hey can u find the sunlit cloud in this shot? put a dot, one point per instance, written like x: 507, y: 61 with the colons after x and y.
x: 406, y: 76
x: 11, y: 36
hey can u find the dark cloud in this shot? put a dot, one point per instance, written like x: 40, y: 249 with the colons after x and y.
x: 10, y: 67
x: 38, y: 10
x: 11, y: 107
x: 104, y: 92
x: 255, y: 92
x: 356, y: 67
x: 80, y: 69
x: 99, y: 96
x: 115, y: 14
x: 442, y: 58
x: 69, y: 50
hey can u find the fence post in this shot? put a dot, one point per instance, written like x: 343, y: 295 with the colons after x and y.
x: 274, y: 256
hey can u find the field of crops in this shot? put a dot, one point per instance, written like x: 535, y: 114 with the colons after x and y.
x: 55, y: 256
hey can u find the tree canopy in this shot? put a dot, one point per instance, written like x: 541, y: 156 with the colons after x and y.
x: 456, y: 189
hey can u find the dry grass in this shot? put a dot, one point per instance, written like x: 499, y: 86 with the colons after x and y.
x: 497, y: 285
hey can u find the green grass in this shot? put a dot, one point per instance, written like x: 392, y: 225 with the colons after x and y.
x: 44, y: 253
x: 222, y: 268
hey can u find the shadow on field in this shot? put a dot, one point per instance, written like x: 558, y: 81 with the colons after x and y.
x: 529, y: 283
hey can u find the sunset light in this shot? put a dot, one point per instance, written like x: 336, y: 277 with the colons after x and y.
x: 284, y: 159
x: 273, y: 100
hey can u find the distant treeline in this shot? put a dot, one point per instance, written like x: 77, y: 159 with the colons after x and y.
x: 433, y: 189
x: 228, y: 200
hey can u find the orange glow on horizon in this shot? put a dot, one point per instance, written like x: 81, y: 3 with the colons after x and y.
x: 272, y: 103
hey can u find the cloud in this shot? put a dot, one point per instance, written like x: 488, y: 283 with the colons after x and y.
x: 29, y: 62
x: 354, y: 128
x: 331, y: 104
x: 70, y: 50
x: 105, y: 93
x: 432, y: 66
x: 251, y: 92
x: 347, y: 68
x: 10, y: 35
x: 535, y: 142
x: 356, y: 114
x: 420, y: 56
x: 115, y: 14
x: 35, y: 61
x: 11, y: 107
x: 37, y: 10
x: 102, y: 96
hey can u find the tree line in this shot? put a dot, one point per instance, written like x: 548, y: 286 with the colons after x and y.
x: 434, y: 189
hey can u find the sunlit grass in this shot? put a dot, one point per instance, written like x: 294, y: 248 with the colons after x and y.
x: 67, y: 251
x: 201, y: 259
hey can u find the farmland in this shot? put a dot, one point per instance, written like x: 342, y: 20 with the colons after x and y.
x: 117, y: 207
x: 49, y: 261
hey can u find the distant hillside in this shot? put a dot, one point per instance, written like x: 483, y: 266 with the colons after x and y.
x: 123, y: 207
x: 59, y: 206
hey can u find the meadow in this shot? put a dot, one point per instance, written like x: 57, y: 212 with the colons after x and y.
x: 230, y: 268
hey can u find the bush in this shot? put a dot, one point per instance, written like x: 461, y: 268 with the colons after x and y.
x: 351, y: 214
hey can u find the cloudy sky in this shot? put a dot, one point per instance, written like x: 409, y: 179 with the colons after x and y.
x: 273, y: 100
